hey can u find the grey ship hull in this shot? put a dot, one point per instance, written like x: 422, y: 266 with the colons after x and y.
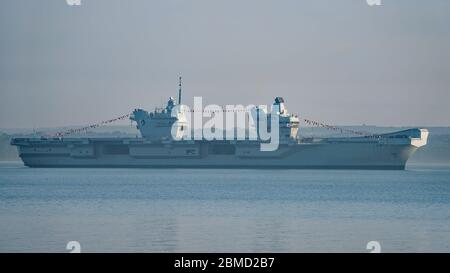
x: 391, y: 151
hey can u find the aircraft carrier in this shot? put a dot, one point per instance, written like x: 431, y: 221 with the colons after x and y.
x: 161, y: 145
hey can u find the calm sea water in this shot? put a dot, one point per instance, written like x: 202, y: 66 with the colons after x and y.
x: 159, y: 210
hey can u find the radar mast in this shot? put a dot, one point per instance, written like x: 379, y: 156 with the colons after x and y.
x: 179, y: 90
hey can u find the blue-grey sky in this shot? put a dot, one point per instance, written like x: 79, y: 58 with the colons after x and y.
x: 338, y: 61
